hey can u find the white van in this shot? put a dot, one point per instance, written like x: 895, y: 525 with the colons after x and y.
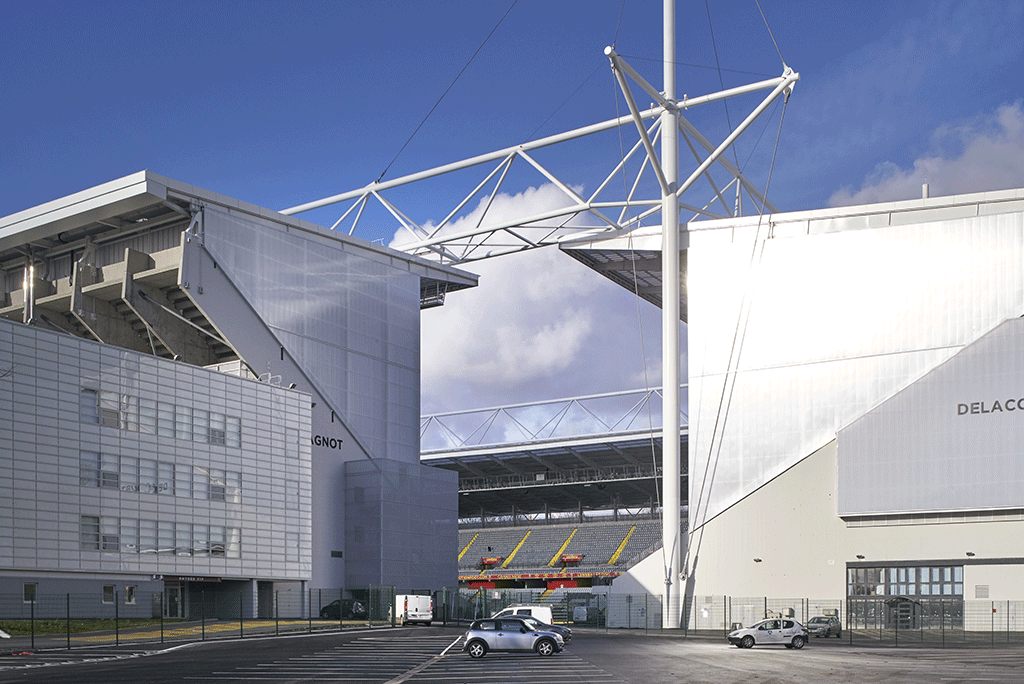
x: 414, y: 608
x: 542, y: 613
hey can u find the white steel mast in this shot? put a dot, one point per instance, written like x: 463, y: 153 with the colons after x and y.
x: 670, y: 457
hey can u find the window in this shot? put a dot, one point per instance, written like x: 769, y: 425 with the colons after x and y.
x: 200, y: 483
x: 217, y: 540
x: 110, y: 534
x: 200, y: 540
x: 906, y: 581
x: 90, y: 534
x: 164, y: 419
x: 129, y: 595
x: 183, y: 539
x: 110, y: 414
x: 218, y: 429
x: 29, y: 593
x: 165, y: 537
x: 89, y: 406
x: 129, y: 535
x: 233, y: 487
x: 147, y: 536
x: 183, y: 422
x: 129, y: 474
x: 165, y: 478
x: 234, y: 542
x: 183, y: 481
x: 109, y: 593
x: 147, y: 416
x: 218, y: 485
x: 200, y: 425
x: 233, y: 436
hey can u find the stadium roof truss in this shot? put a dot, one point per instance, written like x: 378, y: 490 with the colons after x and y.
x: 559, y: 457
x: 575, y: 222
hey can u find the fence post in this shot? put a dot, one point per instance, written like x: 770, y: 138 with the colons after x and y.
x: 161, y: 617
x: 277, y: 614
x: 241, y: 614
x: 202, y: 616
x: 68, y: 618
x: 117, y: 630
x: 942, y: 620
x: 993, y: 623
x: 32, y: 620
x: 897, y: 621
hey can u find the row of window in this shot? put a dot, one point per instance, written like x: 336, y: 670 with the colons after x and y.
x: 128, y: 535
x: 109, y: 593
x: 914, y: 581
x: 149, y: 476
x: 161, y: 418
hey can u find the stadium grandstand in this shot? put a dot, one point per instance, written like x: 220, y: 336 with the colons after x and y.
x: 554, y: 495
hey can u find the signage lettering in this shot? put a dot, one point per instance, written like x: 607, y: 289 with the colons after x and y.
x: 329, y: 442
x: 982, y: 407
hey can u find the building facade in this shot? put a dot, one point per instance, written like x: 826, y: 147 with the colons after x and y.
x: 869, y: 362
x: 222, y: 398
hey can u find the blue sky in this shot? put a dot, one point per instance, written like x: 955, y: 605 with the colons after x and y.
x: 281, y: 103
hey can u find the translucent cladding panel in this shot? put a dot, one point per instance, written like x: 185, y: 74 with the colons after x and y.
x: 797, y: 337
x: 343, y: 312
x: 951, y: 441
x: 407, y: 513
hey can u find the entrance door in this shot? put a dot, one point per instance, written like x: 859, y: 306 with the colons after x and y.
x: 172, y: 601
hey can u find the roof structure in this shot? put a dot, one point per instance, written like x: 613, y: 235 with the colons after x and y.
x: 554, y: 459
x: 126, y: 303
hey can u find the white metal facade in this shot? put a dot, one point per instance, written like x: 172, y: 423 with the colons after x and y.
x: 872, y: 324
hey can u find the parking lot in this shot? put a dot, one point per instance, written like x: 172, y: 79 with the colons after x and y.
x: 433, y: 654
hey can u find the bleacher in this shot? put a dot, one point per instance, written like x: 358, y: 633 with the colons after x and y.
x: 600, y: 546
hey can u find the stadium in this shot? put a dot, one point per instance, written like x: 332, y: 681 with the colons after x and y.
x: 201, y: 396
x: 856, y: 380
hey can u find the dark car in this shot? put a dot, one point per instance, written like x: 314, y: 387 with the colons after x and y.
x: 564, y: 632
x: 509, y: 634
x: 824, y: 626
x: 349, y: 609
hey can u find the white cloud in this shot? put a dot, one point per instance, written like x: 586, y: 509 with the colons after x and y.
x: 984, y: 154
x: 539, y: 326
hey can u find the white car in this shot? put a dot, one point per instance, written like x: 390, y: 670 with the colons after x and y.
x: 785, y: 631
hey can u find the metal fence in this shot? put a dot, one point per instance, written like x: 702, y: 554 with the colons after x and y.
x: 82, y: 620
x: 77, y: 620
x: 898, y: 622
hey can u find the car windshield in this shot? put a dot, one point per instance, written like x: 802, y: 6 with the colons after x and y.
x: 816, y: 620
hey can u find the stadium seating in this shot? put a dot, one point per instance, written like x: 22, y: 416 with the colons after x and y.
x: 542, y: 546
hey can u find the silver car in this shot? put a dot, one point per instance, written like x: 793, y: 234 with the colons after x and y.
x: 785, y: 631
x: 825, y: 626
x: 509, y: 634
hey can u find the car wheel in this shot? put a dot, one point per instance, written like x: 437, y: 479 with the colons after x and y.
x: 747, y: 642
x: 545, y: 647
x: 477, y: 649
x: 798, y: 642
